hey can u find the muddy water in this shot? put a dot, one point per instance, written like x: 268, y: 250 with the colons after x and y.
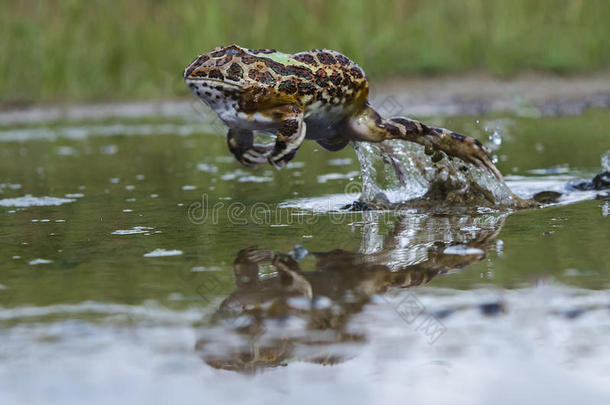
x: 139, y: 259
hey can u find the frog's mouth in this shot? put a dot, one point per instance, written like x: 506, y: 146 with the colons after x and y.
x: 207, y: 80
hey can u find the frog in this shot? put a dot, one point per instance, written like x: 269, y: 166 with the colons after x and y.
x: 319, y: 95
x: 320, y: 293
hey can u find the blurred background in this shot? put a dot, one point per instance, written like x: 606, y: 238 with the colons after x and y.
x: 124, y: 217
x: 69, y: 50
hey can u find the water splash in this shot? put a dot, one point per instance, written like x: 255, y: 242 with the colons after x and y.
x: 400, y: 172
x: 606, y: 161
x: 496, y: 140
x: 30, y: 201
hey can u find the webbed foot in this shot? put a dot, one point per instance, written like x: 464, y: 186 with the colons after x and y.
x: 463, y: 147
x: 468, y: 149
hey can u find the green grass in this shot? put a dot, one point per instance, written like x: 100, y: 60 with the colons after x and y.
x: 99, y: 49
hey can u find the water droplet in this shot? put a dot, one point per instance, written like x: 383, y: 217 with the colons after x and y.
x: 606, y: 161
x: 496, y: 138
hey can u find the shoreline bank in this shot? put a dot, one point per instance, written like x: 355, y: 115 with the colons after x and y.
x: 472, y: 94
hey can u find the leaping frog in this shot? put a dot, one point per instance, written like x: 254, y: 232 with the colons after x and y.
x: 319, y: 95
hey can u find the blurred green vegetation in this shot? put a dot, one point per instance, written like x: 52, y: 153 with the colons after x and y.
x: 96, y: 49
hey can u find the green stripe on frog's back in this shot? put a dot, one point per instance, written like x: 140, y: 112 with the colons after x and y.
x: 283, y: 58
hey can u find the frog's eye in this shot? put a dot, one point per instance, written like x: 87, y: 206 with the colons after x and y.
x: 231, y: 52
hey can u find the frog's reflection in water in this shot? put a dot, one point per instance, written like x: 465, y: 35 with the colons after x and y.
x: 297, y: 306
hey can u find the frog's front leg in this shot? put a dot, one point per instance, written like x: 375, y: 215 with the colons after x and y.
x: 241, y: 145
x: 289, y: 136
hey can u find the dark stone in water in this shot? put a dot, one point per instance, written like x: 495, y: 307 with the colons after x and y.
x: 582, y: 186
x: 379, y: 202
x: 492, y: 308
x: 443, y: 313
x: 357, y: 206
x: 573, y: 313
x: 599, y: 182
x: 547, y: 197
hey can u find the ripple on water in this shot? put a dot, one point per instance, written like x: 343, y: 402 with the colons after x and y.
x: 31, y: 201
x: 163, y: 253
x: 83, y: 132
x: 337, y: 176
x: 207, y: 168
x: 36, y: 262
x: 339, y: 162
x: 327, y: 203
x: 208, y: 268
x: 133, y: 231
x: 462, y: 250
x: 254, y: 179
x: 10, y: 186
x: 523, y: 186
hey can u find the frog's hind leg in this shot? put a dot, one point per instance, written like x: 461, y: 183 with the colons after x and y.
x: 241, y: 145
x: 468, y: 149
x: 371, y: 127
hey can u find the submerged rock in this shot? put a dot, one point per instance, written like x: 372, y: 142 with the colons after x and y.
x: 492, y: 308
x: 599, y: 182
x: 547, y: 197
x: 602, y: 181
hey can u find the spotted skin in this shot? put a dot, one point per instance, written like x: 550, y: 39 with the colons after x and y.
x: 290, y: 135
x: 319, y: 95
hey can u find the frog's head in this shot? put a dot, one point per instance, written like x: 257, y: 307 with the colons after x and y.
x: 221, y: 70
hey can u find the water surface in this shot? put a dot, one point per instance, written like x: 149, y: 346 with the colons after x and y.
x: 139, y: 259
